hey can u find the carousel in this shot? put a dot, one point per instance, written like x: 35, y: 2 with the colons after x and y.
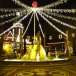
x: 18, y: 46
x: 30, y: 48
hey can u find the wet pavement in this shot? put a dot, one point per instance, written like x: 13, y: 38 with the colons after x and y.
x: 45, y: 68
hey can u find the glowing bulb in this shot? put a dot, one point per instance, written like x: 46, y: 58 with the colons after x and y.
x: 18, y: 13
x: 35, y: 10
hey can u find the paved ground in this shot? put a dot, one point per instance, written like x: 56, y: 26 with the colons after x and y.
x: 60, y: 68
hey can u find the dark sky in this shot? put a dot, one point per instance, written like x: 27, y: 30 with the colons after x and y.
x: 9, y: 3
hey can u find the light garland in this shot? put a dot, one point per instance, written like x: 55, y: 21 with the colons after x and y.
x: 40, y: 26
x: 62, y: 16
x: 7, y: 15
x: 63, y: 23
x: 7, y: 21
x: 52, y: 25
x: 6, y: 30
x: 24, y: 17
x: 26, y: 10
x: 21, y: 4
x: 49, y: 10
x: 14, y: 25
x: 28, y: 25
x: 11, y: 9
x: 54, y: 4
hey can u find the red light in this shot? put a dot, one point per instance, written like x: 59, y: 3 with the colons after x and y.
x: 34, y: 4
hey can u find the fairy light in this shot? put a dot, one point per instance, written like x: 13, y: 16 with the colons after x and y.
x: 24, y: 17
x: 7, y: 15
x: 49, y: 10
x: 7, y: 21
x: 14, y: 25
x: 18, y: 13
x: 27, y: 10
x: 40, y: 26
x: 21, y: 4
x: 28, y: 25
x: 52, y: 25
x: 63, y: 23
x: 54, y: 4
x: 11, y: 9
x: 63, y: 16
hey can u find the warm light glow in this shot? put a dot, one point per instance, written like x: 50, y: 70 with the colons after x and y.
x: 35, y: 53
x: 8, y: 48
x: 35, y: 9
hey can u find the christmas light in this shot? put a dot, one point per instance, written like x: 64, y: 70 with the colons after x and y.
x: 40, y: 26
x: 63, y: 23
x: 54, y: 4
x: 63, y: 16
x: 24, y: 17
x: 49, y: 10
x: 11, y: 10
x: 7, y: 21
x: 14, y: 25
x: 52, y: 25
x: 28, y: 25
x: 44, y: 11
x: 21, y: 4
x: 7, y: 15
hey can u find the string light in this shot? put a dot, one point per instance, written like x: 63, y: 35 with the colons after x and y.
x: 24, y: 17
x: 26, y: 10
x: 28, y: 25
x: 21, y: 4
x: 49, y: 10
x: 7, y: 21
x: 63, y: 23
x: 54, y: 4
x: 14, y: 25
x: 40, y: 26
x: 7, y: 15
x: 52, y: 25
x: 11, y: 9
x: 62, y: 16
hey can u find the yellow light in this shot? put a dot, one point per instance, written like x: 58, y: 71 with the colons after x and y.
x: 8, y: 48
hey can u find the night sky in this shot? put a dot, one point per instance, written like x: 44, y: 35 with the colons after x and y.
x: 9, y: 3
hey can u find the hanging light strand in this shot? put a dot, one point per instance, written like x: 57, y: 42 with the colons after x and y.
x: 59, y: 10
x: 28, y: 25
x: 11, y: 9
x: 7, y: 15
x: 24, y: 17
x: 52, y: 25
x: 54, y: 4
x: 7, y: 21
x: 63, y: 23
x: 21, y: 4
x: 40, y: 26
x: 6, y: 30
x: 62, y: 16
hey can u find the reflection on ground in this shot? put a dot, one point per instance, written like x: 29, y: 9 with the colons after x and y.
x: 55, y: 68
